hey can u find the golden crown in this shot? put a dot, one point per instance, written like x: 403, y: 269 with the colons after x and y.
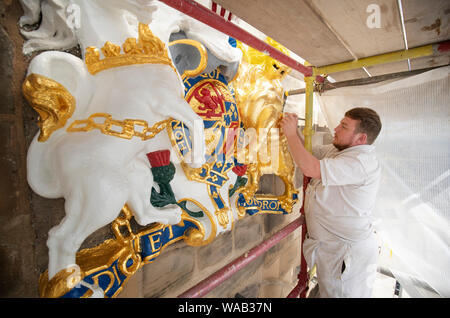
x: 147, y: 49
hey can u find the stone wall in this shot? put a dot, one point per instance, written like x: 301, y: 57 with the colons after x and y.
x: 26, y: 218
x: 17, y: 235
x: 180, y: 267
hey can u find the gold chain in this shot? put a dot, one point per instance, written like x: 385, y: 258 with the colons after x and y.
x: 129, y: 127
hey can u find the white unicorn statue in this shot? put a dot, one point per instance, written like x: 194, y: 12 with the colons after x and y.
x: 101, y: 115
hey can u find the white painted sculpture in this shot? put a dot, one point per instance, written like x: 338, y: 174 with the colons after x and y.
x: 144, y: 125
x: 97, y: 173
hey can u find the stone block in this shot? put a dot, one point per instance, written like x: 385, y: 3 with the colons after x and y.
x: 6, y: 73
x: 246, y: 282
x: 271, y: 269
x: 171, y: 270
x: 273, y: 222
x: 290, y: 257
x: 276, y: 251
x: 248, y: 232
x: 250, y: 290
x: 9, y: 184
x: 272, y: 289
x: 216, y: 252
x: 134, y: 286
x: 18, y: 276
x: 10, y: 265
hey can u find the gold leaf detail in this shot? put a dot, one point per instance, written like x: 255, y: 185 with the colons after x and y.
x: 51, y: 100
x: 110, y: 50
x: 147, y: 49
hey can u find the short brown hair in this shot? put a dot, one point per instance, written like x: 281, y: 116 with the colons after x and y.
x: 369, y: 122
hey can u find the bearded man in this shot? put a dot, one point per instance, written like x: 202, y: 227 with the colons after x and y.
x: 339, y: 201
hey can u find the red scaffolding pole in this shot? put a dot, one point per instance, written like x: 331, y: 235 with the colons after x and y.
x: 301, y: 288
x: 200, y: 13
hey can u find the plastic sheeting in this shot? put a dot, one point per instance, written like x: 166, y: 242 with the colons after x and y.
x: 412, y: 215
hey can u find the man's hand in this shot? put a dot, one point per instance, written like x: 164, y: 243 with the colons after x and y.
x: 289, y: 124
x: 307, y: 163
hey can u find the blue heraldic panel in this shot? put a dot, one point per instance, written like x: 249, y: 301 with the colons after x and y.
x: 262, y: 204
x: 111, y: 279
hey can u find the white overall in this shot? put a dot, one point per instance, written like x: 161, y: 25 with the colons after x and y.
x: 338, y: 212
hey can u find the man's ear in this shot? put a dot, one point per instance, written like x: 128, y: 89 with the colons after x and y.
x: 362, y: 139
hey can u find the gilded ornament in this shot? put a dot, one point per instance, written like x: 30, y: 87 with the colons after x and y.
x: 222, y: 216
x: 110, y: 50
x: 116, y: 260
x: 51, y: 100
x: 129, y: 127
x: 60, y: 284
x: 259, y: 98
x: 192, y: 236
x: 147, y: 49
x: 203, y: 57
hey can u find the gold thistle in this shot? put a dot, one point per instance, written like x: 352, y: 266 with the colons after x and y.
x: 147, y: 49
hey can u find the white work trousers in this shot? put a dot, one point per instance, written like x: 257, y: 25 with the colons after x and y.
x: 360, y: 258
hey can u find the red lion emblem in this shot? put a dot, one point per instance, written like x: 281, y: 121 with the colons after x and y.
x: 211, y: 99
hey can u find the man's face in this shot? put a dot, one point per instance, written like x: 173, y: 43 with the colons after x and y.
x: 344, y: 134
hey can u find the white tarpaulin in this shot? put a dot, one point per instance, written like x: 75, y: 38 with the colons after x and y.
x: 412, y: 213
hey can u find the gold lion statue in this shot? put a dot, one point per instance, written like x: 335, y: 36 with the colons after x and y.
x: 259, y: 98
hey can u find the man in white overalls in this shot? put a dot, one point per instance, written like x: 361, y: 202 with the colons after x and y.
x: 339, y: 201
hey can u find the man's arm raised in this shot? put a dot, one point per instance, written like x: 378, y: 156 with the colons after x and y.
x: 308, y: 164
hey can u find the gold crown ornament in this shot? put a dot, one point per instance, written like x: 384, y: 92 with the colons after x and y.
x: 147, y: 49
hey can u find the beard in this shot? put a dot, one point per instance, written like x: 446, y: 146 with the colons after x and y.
x: 340, y: 147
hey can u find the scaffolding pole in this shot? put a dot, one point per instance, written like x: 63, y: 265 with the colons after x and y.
x: 421, y: 51
x: 301, y: 288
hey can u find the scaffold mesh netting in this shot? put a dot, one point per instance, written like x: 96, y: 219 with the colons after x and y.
x: 412, y: 215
